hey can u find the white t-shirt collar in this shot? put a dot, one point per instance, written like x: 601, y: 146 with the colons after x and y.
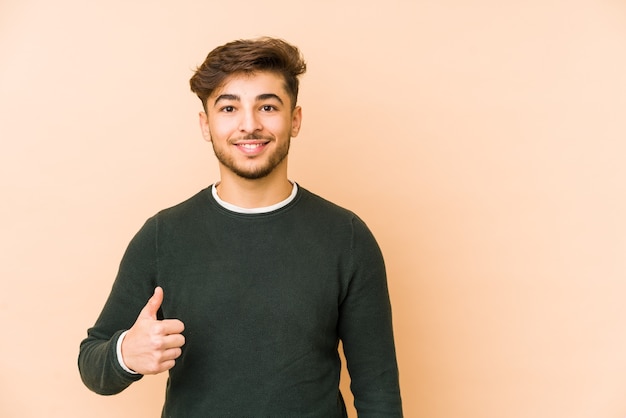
x: 264, y: 209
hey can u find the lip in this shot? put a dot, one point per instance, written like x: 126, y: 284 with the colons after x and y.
x: 251, y: 147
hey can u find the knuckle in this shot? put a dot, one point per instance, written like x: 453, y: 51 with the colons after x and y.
x: 157, y: 328
x: 156, y: 343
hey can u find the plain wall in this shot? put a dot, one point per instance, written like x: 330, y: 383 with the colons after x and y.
x: 483, y: 142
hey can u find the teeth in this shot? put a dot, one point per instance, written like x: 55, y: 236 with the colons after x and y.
x: 250, y: 146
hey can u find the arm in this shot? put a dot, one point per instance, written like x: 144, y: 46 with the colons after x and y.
x: 365, y: 327
x: 151, y: 345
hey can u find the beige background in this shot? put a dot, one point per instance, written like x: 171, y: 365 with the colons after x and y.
x: 483, y: 142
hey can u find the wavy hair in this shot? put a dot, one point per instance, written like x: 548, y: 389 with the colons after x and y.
x: 247, y: 56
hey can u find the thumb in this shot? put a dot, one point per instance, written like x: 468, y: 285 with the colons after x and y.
x: 153, y: 305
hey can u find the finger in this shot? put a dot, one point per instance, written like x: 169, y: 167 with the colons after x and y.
x: 172, y: 326
x: 172, y: 341
x: 153, y: 305
x: 171, y: 354
x: 166, y: 365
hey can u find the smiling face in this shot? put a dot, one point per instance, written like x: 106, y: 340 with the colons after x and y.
x: 250, y: 121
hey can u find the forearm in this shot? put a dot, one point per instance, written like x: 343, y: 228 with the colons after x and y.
x: 99, y: 367
x: 373, y: 368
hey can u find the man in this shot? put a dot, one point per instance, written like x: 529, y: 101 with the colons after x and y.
x: 251, y: 283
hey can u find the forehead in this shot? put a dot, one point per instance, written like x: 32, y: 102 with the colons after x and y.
x: 252, y: 85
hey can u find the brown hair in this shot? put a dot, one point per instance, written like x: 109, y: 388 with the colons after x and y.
x: 248, y: 56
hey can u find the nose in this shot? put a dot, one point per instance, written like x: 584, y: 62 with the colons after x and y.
x: 249, y: 122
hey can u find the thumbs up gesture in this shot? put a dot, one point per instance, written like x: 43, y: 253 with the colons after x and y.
x: 152, y: 346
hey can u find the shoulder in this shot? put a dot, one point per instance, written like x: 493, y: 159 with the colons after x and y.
x: 174, y: 217
x: 311, y: 200
x: 330, y: 212
x: 196, y: 204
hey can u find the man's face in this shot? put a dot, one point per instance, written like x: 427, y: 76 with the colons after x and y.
x: 250, y: 122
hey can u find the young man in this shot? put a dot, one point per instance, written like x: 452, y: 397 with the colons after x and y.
x: 251, y: 283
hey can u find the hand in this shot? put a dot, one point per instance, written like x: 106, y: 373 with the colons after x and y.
x: 152, y: 346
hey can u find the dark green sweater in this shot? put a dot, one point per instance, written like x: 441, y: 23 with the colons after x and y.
x: 265, y: 299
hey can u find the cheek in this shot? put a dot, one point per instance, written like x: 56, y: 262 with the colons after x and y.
x: 221, y: 129
x: 280, y: 128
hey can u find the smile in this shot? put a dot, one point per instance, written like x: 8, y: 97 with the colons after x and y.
x: 250, y: 146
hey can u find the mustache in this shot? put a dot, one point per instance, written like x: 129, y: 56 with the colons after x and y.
x: 255, y: 136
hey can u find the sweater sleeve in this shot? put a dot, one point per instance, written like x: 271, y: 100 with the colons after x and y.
x: 98, y: 364
x: 366, y: 331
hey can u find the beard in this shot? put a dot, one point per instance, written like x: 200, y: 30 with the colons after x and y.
x: 256, y: 169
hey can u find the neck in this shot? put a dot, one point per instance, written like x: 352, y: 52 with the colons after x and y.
x: 254, y: 193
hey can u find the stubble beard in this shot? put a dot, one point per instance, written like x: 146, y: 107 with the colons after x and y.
x: 258, y: 171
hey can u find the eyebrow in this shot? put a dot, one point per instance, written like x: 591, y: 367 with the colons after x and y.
x: 260, y: 97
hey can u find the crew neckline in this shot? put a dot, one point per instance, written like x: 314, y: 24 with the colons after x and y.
x: 263, y: 209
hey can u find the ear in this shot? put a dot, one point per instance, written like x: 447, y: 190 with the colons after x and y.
x: 296, y: 121
x: 204, y: 126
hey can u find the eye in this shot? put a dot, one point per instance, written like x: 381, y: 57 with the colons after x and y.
x: 268, y: 108
x: 227, y: 109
